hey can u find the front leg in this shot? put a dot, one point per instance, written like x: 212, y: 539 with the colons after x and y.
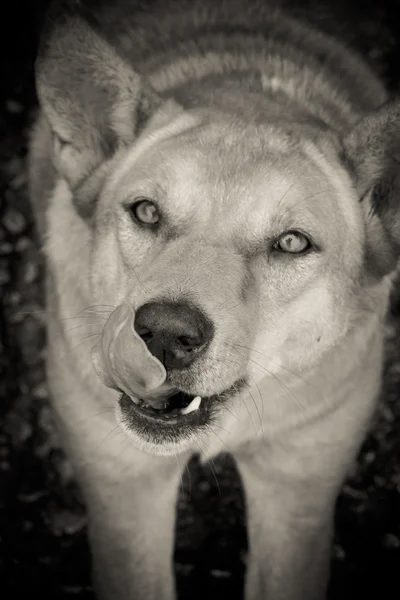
x: 131, y: 529
x: 289, y: 523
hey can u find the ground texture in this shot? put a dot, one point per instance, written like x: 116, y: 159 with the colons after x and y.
x: 43, y: 546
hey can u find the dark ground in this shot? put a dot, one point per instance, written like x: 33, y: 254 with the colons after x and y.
x: 43, y: 548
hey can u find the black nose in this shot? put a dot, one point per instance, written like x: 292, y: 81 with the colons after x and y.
x: 176, y: 333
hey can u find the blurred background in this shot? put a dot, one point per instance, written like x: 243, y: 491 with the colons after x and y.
x: 43, y: 547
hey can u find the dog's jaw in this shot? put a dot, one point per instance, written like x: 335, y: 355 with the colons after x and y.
x: 162, y: 435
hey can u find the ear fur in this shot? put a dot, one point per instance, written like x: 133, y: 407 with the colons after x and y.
x: 93, y: 100
x: 371, y: 153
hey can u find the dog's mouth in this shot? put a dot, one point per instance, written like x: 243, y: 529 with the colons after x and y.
x: 176, y: 410
x: 172, y: 406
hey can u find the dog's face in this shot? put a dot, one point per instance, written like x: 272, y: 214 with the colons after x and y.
x: 237, y: 247
x: 242, y: 247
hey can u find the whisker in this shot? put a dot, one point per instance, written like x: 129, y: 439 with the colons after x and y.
x: 100, y: 306
x: 261, y: 396
x: 255, y: 404
x: 290, y: 188
x: 210, y: 464
x: 210, y: 427
x: 288, y: 390
x: 229, y: 410
x: 113, y: 430
x: 82, y: 325
x: 278, y: 364
x: 258, y: 412
x: 83, y: 317
x: 223, y: 428
x: 305, y: 198
x: 106, y: 410
x: 126, y: 443
x: 248, y: 412
x: 137, y: 276
x: 201, y: 451
x: 223, y: 304
x: 77, y: 346
x: 98, y: 313
x: 180, y: 473
x: 45, y: 311
x: 214, y: 471
x: 189, y: 478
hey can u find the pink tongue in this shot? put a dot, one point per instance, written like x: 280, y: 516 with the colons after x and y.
x: 123, y: 362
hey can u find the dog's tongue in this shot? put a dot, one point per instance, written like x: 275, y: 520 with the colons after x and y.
x: 122, y: 360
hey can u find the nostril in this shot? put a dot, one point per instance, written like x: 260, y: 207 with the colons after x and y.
x: 141, y: 329
x: 145, y: 333
x: 189, y: 343
x: 146, y: 337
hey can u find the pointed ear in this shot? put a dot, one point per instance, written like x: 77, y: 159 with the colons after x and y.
x: 372, y: 156
x: 93, y: 100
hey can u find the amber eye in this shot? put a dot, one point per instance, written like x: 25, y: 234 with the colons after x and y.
x: 292, y: 242
x: 144, y: 212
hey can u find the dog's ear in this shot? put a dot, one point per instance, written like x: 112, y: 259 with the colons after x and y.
x: 372, y: 156
x: 93, y: 100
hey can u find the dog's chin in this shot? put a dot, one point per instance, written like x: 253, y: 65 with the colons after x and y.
x: 179, y: 425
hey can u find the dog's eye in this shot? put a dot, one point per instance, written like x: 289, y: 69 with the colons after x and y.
x: 144, y: 211
x: 292, y: 242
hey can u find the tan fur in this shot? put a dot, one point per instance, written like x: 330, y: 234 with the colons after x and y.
x: 233, y: 164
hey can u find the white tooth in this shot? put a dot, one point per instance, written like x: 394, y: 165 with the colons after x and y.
x: 135, y: 400
x: 194, y: 405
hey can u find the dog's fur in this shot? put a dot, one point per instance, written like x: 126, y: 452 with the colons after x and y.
x: 243, y: 122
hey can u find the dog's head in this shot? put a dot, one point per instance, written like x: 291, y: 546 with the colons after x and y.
x: 244, y: 247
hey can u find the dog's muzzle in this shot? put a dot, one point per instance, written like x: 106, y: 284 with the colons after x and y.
x: 133, y: 356
x: 135, y: 365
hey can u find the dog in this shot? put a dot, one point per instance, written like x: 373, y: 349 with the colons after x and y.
x: 216, y: 186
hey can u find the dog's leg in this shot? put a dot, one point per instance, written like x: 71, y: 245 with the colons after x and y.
x: 289, y: 527
x: 132, y: 526
x: 130, y: 495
